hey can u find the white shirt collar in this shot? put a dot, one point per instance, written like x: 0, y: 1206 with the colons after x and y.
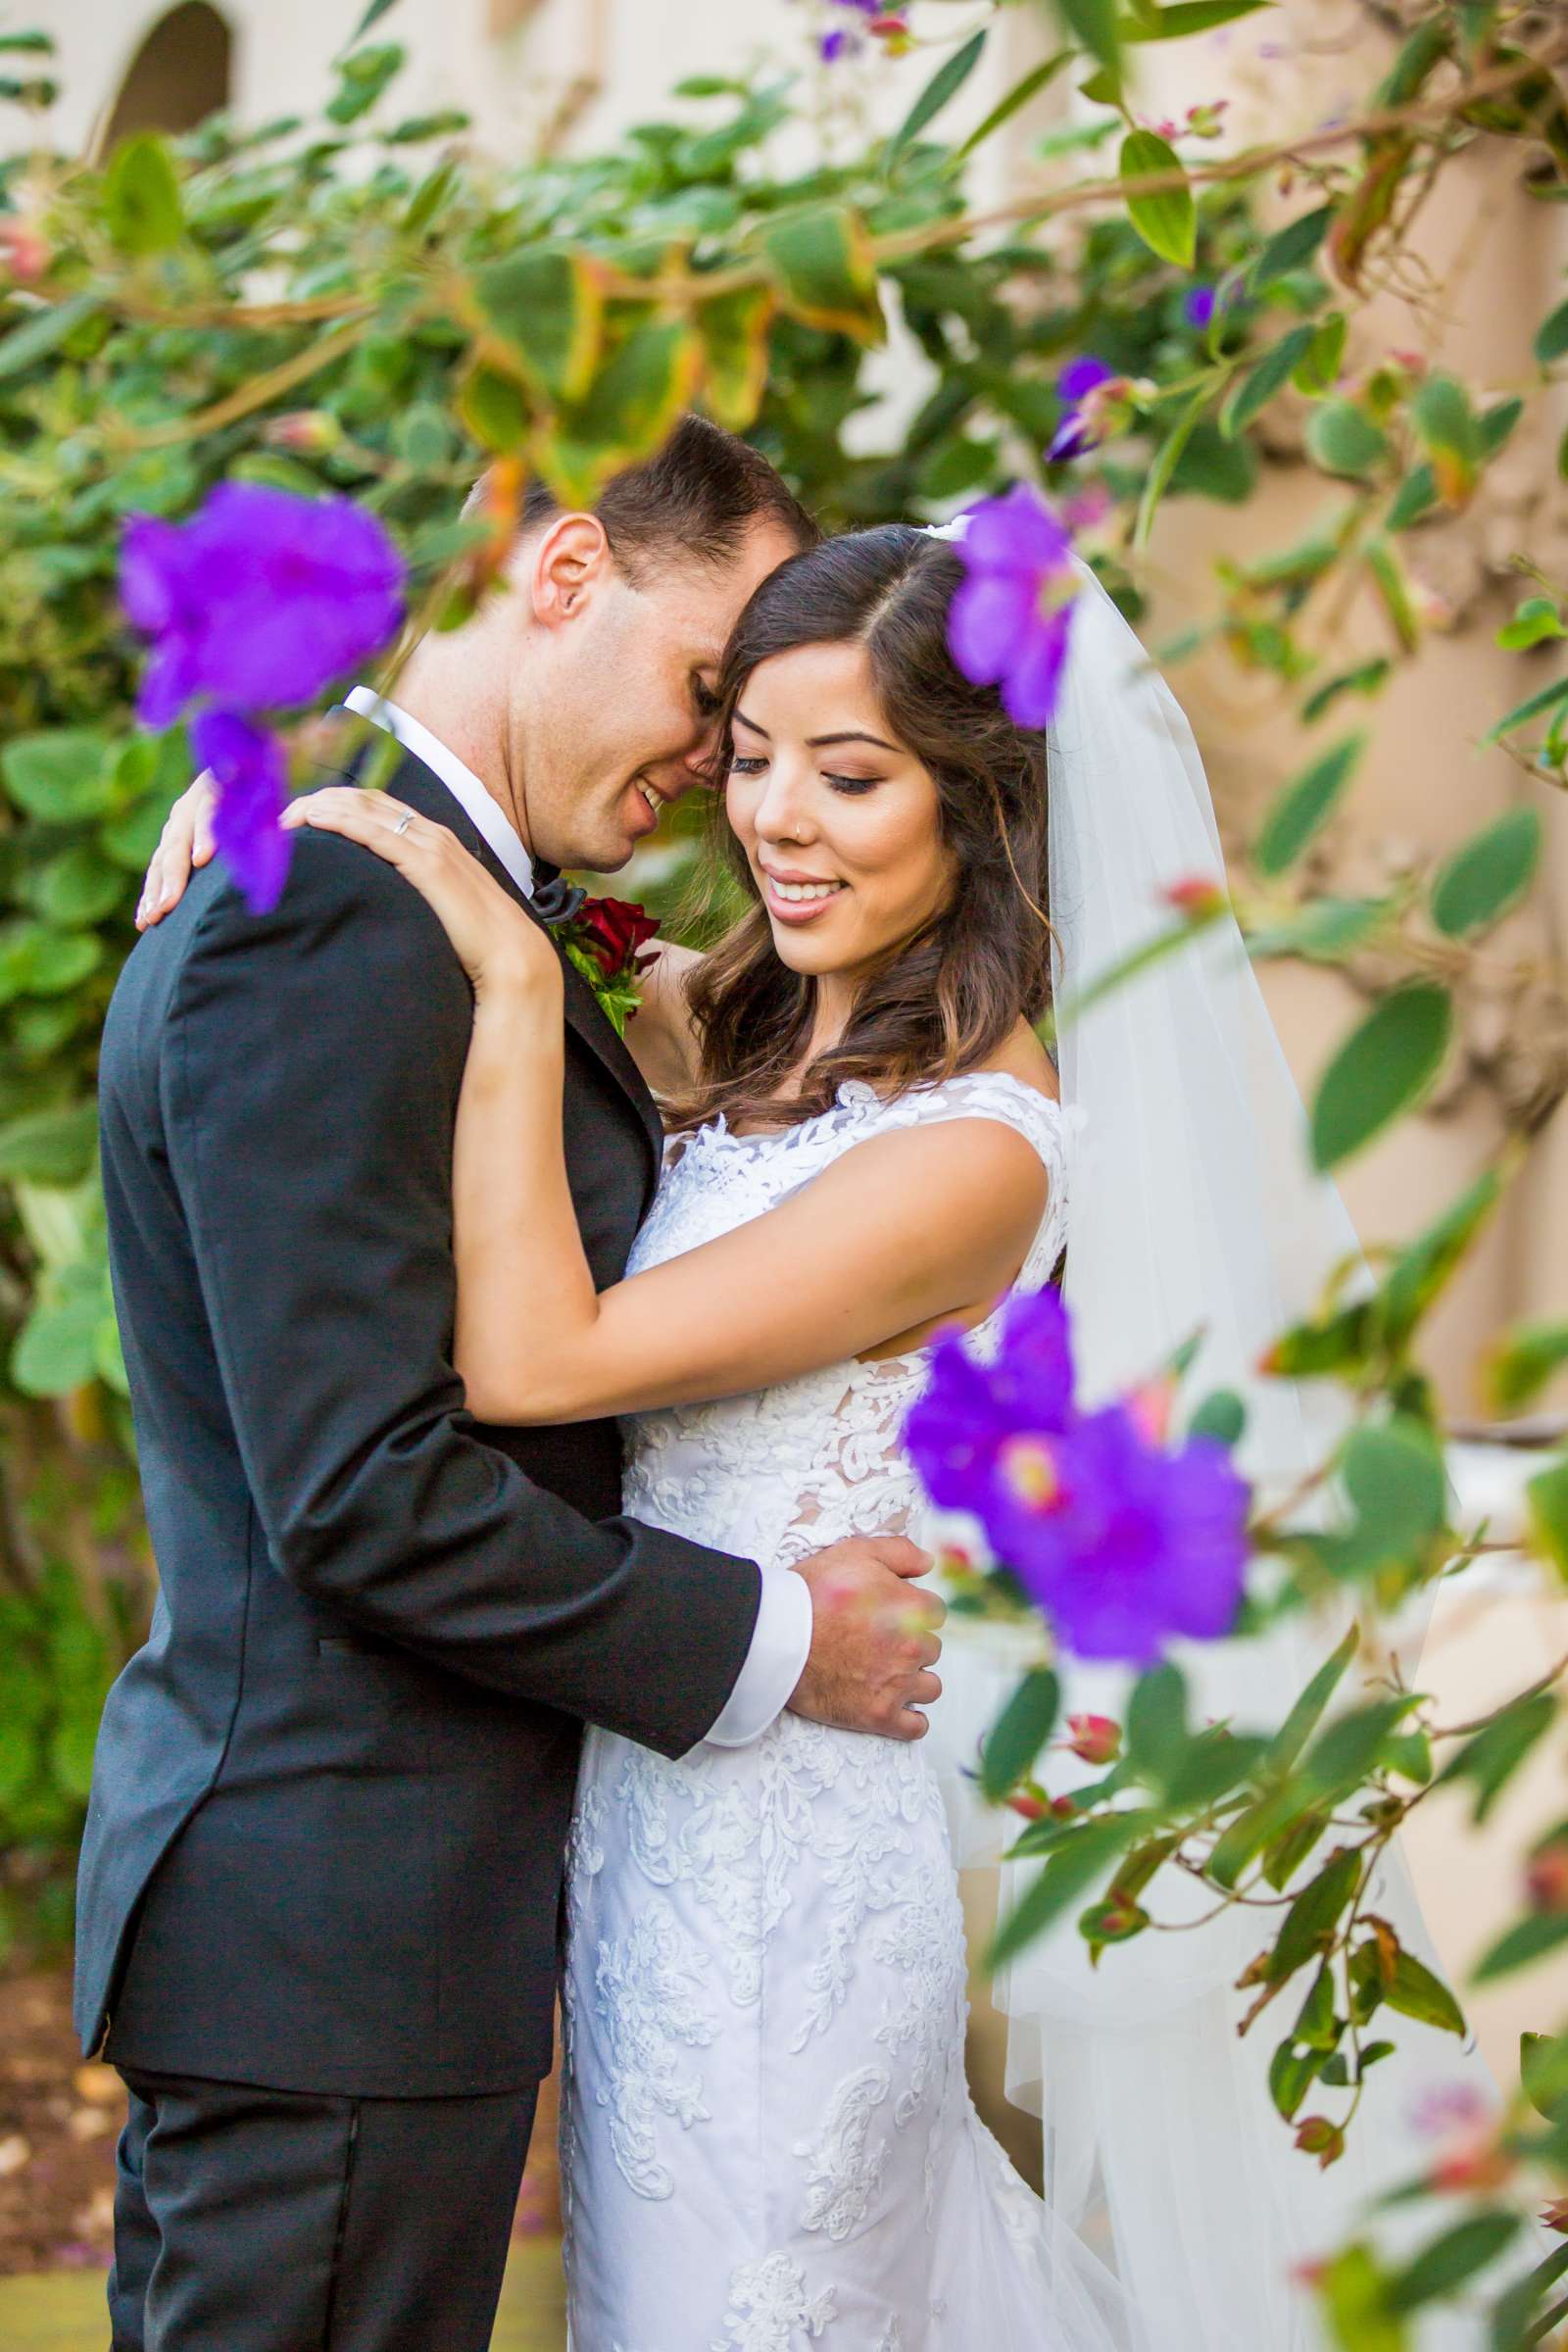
x: 479, y: 806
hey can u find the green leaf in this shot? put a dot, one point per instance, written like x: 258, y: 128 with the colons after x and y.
x: 41, y: 332
x: 635, y: 397
x: 1094, y: 25
x: 1308, y: 1711
x: 1258, y: 387
x: 373, y: 16
x: 493, y: 408
x: 1543, y: 2077
x: 822, y: 260
x: 1416, y: 1993
x: 1488, y: 875
x: 1019, y: 1733
x: 1168, y: 223
x: 1070, y: 1873
x: 1530, y: 1940
x: 1343, y: 1755
x: 1343, y: 440
x: 1416, y: 496
x: 1385, y: 1067
x: 1164, y: 466
x: 78, y: 888
x: 1495, y: 1754
x: 545, y: 308
x: 735, y: 354
x: 1323, y: 931
x: 1423, y: 1270
x: 1313, y: 1919
x: 364, y: 77
x: 1520, y: 1364
x: 1546, y: 697
x: 1546, y: 1500
x: 1551, y: 335
x: 1157, y: 1722
x: 1393, y: 1475
x: 1353, y: 2292
x: 1291, y: 247
x: 1449, y: 2260
x: 1304, y: 806
x: 1291, y: 2076
x: 58, y: 778
x: 949, y: 78
x: 50, y: 1147
x: 56, y: 1350
x: 1318, y: 370
x: 1017, y: 97
x: 1221, y: 1415
x: 1536, y: 621
x: 1179, y: 17
x: 141, y: 197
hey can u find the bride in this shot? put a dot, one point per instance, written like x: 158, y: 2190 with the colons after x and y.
x: 767, y: 2133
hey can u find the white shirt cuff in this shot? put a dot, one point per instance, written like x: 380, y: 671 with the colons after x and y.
x: 782, y: 1643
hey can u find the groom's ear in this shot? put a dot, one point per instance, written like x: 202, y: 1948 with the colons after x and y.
x: 565, y: 567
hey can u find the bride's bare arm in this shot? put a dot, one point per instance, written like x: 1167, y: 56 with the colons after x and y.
x: 928, y: 1224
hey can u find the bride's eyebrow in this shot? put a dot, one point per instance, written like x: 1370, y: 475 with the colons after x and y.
x: 741, y: 721
x: 818, y: 743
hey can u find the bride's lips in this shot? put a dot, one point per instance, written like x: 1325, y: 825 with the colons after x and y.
x: 797, y: 910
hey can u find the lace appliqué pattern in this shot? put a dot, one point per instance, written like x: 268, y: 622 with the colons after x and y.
x: 764, y: 2103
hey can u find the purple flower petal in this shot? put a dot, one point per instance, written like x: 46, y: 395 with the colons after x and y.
x: 261, y: 599
x: 1081, y: 375
x: 251, y: 773
x: 1198, y: 305
x: 988, y: 626
x: 1034, y: 679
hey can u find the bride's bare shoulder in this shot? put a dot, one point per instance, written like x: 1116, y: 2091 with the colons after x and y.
x: 1021, y: 1055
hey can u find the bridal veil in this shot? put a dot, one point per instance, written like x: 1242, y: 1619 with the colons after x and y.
x: 1193, y: 1207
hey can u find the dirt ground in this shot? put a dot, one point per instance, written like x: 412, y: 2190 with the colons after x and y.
x: 58, y: 2120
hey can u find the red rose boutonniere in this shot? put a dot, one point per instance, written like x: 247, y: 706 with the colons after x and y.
x: 607, y: 940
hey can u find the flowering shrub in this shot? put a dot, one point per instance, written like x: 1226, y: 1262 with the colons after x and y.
x: 353, y: 310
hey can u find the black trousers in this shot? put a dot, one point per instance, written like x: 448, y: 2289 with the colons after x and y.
x: 269, y: 2221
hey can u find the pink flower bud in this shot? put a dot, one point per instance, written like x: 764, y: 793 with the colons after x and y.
x: 24, y: 250
x: 1027, y: 1807
x: 1196, y: 895
x: 1094, y: 1738
x: 1546, y: 1879
x: 1150, y: 1408
x: 308, y: 432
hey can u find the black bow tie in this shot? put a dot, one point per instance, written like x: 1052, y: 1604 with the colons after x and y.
x: 554, y: 901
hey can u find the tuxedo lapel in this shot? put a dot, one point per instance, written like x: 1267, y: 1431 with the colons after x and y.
x: 414, y: 783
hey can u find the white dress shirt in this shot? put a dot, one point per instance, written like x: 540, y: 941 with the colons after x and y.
x: 782, y: 1637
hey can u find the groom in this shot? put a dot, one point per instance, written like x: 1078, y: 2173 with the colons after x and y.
x: 322, y: 1871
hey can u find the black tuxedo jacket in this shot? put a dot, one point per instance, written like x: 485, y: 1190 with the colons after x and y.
x: 323, y: 1849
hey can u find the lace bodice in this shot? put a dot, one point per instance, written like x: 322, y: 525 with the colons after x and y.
x: 777, y: 1474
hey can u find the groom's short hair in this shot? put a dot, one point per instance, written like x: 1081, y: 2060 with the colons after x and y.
x: 699, y: 495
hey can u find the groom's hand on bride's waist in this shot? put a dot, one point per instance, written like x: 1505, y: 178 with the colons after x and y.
x: 874, y: 1638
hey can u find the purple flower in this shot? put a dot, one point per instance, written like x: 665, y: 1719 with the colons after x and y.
x: 1123, y: 1543
x: 834, y: 45
x: 252, y: 777
x: 1078, y: 429
x: 1011, y: 618
x: 260, y: 600
x: 1198, y: 305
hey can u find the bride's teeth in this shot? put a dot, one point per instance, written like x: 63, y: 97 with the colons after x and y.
x: 806, y: 889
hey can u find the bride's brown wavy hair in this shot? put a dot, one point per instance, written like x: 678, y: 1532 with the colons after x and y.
x: 944, y: 999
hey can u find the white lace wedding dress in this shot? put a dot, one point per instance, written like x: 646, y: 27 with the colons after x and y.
x: 767, y: 2138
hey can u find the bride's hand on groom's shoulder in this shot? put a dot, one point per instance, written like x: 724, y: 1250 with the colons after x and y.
x: 185, y: 843
x: 509, y: 957
x: 874, y: 1638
